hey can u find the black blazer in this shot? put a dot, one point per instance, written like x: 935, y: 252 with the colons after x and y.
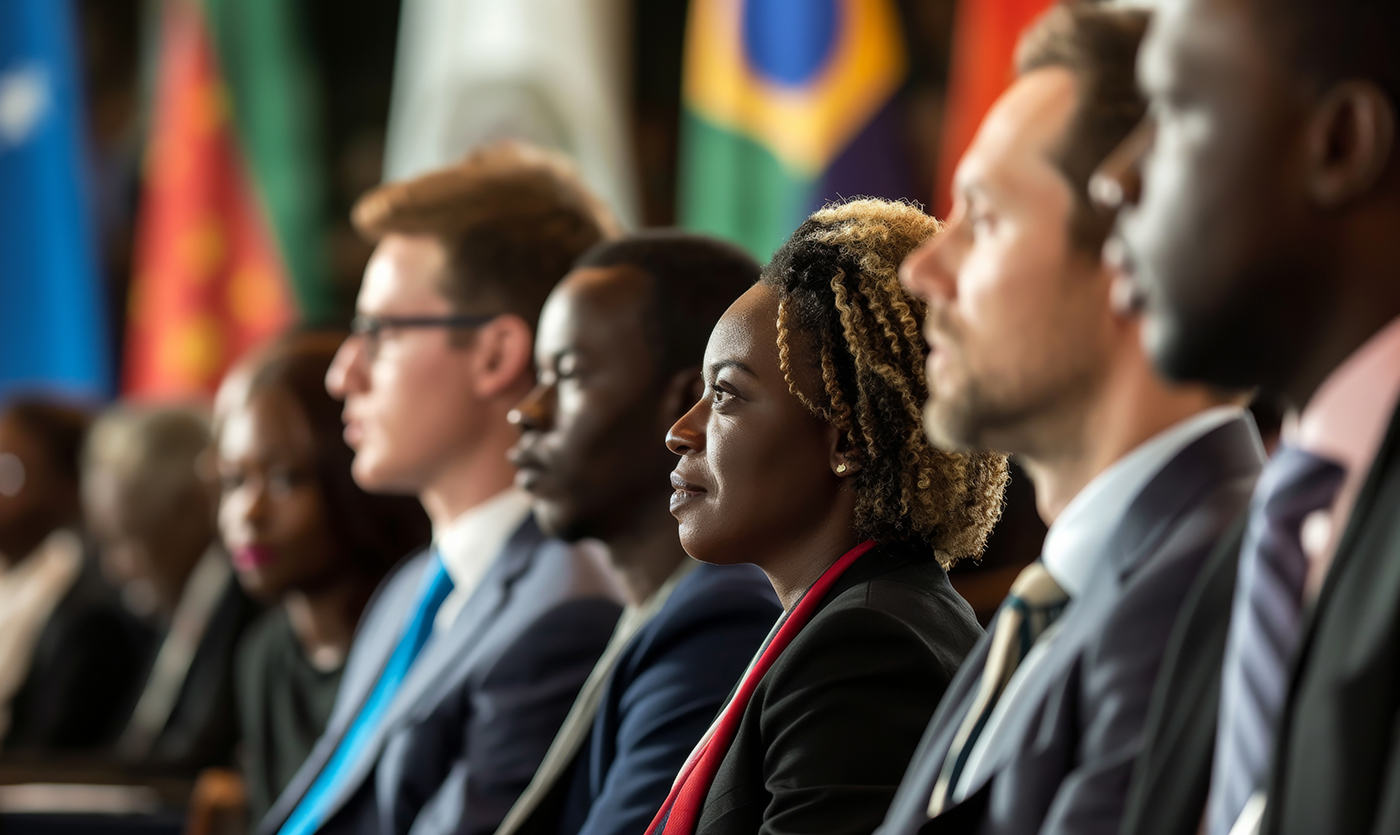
x: 85, y: 675
x: 826, y: 738
x: 1338, y: 764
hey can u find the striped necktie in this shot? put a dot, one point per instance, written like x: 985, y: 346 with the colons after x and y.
x: 1265, y: 621
x: 311, y: 812
x: 1034, y: 603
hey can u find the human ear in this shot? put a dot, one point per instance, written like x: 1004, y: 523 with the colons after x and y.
x: 683, y: 390
x: 846, y: 460
x: 502, y: 356
x: 1349, y: 142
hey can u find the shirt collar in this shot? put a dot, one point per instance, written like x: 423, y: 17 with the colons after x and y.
x: 469, y: 544
x: 1074, y: 549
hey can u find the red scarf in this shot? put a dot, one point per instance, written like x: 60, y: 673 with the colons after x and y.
x: 681, y: 811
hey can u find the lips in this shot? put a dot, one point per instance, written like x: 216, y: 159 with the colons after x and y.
x: 528, y: 466
x: 683, y: 492
x: 251, y: 557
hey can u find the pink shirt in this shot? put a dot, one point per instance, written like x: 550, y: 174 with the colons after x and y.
x: 1346, y: 421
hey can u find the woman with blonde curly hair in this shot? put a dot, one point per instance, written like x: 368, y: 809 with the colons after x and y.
x: 806, y: 456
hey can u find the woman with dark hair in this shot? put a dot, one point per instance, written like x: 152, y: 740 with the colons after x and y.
x: 301, y: 534
x: 806, y: 456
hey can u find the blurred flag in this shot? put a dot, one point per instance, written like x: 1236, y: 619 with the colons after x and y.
x: 53, y: 329
x: 554, y: 72
x: 985, y: 33
x: 228, y: 247
x: 788, y: 103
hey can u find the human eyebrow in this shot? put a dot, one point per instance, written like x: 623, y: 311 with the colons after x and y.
x: 720, y: 365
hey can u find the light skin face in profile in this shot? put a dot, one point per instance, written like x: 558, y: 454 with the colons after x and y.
x: 425, y: 407
x: 756, y: 481
x: 1238, y: 197
x: 590, y: 450
x: 1026, y: 353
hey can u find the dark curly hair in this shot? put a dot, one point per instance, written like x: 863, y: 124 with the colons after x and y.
x: 841, y: 308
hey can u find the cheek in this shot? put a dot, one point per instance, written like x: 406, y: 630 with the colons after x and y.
x: 1008, y: 290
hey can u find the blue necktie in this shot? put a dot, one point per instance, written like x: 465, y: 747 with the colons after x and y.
x: 1265, y: 623
x: 310, y: 813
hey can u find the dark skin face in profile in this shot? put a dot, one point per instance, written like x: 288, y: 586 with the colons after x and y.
x: 43, y: 502
x: 1259, y: 207
x: 591, y: 451
x: 757, y: 481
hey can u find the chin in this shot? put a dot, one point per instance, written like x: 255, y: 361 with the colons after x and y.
x: 946, y: 426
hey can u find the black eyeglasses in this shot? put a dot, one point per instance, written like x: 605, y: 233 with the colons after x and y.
x: 371, y: 327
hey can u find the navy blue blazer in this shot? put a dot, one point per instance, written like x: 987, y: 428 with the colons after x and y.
x: 669, y: 683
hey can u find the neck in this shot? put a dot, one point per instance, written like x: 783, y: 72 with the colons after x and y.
x: 1130, y: 406
x: 794, y: 568
x: 470, y: 480
x: 324, y: 619
x: 646, y: 552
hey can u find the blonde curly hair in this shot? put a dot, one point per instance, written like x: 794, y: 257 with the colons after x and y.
x: 841, y: 308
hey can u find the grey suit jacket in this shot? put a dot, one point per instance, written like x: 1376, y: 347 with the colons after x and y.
x: 481, y: 703
x: 1063, y: 756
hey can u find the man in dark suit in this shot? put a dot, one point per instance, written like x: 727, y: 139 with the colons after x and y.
x: 151, y: 513
x: 470, y: 654
x: 1261, y: 206
x: 1137, y: 479
x: 619, y: 351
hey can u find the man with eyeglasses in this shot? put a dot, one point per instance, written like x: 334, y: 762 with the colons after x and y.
x: 471, y: 653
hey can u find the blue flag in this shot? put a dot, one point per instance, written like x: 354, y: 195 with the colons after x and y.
x: 53, y: 329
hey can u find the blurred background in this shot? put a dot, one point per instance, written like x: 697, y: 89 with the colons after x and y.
x: 176, y: 178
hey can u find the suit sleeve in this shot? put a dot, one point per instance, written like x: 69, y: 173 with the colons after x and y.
x: 515, y: 713
x: 668, y: 706
x: 1117, y: 677
x: 842, y: 722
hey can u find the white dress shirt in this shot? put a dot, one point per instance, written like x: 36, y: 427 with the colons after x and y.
x: 1075, y: 550
x: 470, y: 543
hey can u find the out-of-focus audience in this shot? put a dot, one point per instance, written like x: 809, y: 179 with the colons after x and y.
x: 71, y: 658
x: 304, y: 539
x: 149, y: 506
x: 1208, y: 642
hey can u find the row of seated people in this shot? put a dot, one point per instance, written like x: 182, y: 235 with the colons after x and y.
x: 586, y: 644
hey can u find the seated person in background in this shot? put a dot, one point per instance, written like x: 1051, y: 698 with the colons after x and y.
x: 71, y: 658
x: 471, y: 653
x: 806, y: 456
x: 1137, y: 478
x: 150, y: 510
x: 618, y: 358
x: 303, y: 537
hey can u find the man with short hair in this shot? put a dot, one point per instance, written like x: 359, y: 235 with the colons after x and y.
x: 1261, y: 210
x: 468, y: 658
x: 1137, y: 479
x: 619, y: 352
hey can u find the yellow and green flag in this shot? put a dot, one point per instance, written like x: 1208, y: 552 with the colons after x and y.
x: 787, y: 104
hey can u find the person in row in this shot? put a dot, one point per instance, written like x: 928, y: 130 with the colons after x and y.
x: 805, y: 456
x: 303, y: 538
x: 471, y: 653
x: 1260, y: 209
x: 618, y: 354
x: 1136, y: 478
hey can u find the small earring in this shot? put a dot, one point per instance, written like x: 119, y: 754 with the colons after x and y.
x: 841, y: 468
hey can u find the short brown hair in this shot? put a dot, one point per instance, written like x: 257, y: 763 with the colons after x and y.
x: 1099, y: 45
x: 513, y: 218
x: 841, y: 308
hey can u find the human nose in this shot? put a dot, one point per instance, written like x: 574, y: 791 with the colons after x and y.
x: 1117, y: 183
x: 687, y: 435
x: 347, y: 371
x: 534, y: 413
x: 930, y: 272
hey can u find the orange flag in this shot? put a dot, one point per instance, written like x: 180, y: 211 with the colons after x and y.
x: 985, y: 33
x: 208, y: 280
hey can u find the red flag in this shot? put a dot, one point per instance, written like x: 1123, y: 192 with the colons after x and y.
x: 208, y: 281
x: 985, y: 33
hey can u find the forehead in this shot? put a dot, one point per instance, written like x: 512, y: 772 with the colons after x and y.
x: 1206, y: 41
x: 404, y: 273
x: 1020, y: 133
x: 596, y: 307
x: 267, y: 418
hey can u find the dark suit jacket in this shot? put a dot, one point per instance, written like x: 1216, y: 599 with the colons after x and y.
x: 482, y: 702
x: 87, y: 670
x: 831, y: 726
x: 203, y: 724
x: 670, y: 681
x: 1061, y: 759
x: 1338, y: 766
